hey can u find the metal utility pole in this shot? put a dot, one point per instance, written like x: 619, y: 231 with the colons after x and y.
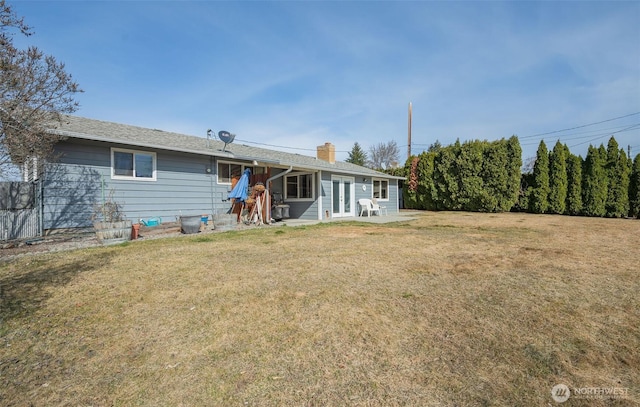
x: 409, y: 140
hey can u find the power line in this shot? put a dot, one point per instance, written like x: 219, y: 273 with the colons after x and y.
x: 579, y: 127
x: 287, y: 147
x: 597, y: 130
x: 597, y: 136
x: 634, y: 126
x: 519, y: 137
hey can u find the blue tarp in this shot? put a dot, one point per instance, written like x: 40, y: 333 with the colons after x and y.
x: 239, y: 192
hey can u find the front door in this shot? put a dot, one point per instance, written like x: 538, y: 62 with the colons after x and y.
x: 342, y: 196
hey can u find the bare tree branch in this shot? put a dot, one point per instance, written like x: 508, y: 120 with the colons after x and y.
x: 384, y: 155
x: 35, y: 92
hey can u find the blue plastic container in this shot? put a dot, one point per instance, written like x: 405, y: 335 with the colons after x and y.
x: 151, y: 221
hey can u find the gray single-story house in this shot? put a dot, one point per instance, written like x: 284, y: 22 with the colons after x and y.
x: 158, y: 174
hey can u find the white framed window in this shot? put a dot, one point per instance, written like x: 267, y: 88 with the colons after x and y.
x: 227, y: 171
x: 299, y: 187
x: 380, y: 189
x: 133, y: 165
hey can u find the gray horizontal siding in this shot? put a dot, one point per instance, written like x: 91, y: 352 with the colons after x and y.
x: 82, y: 176
x: 303, y: 210
x: 325, y: 193
x: 392, y: 206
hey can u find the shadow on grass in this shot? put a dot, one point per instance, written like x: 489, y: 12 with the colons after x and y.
x: 23, y: 292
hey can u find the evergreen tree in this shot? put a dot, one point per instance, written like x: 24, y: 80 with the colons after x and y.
x: 603, y: 155
x: 426, y: 187
x: 557, y: 179
x: 634, y: 189
x: 495, y: 176
x: 470, y: 183
x: 435, y: 147
x: 445, y: 178
x: 617, y: 204
x: 539, y: 192
x: 594, y: 186
x: 574, y: 185
x: 473, y: 176
x: 357, y: 155
x: 514, y: 164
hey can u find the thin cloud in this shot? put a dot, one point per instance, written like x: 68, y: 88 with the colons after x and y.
x: 303, y: 73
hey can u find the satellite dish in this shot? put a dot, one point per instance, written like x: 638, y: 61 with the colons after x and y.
x: 226, y: 138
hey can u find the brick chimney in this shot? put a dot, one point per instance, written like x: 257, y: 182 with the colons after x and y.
x: 327, y: 152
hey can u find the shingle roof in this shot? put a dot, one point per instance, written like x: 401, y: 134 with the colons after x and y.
x: 97, y: 130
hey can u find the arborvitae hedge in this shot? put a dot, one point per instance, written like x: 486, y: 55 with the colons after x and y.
x: 574, y: 185
x: 594, y: 186
x: 558, y: 180
x: 634, y: 189
x: 445, y: 178
x: 539, y: 192
x: 425, y: 181
x: 514, y: 163
x: 486, y: 176
x: 500, y: 174
x: 618, y: 173
x: 472, y: 176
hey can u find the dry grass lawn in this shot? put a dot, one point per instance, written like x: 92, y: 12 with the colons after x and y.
x: 449, y: 309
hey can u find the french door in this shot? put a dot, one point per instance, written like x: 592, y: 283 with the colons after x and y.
x: 343, y: 191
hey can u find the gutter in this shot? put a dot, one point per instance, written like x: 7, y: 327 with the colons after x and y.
x: 268, y: 201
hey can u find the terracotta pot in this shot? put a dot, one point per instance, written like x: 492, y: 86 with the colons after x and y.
x: 135, y: 229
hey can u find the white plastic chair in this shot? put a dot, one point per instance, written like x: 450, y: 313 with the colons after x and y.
x: 377, y: 207
x: 368, y: 206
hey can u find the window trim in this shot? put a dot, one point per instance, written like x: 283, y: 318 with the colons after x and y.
x: 154, y: 161
x: 373, y: 188
x: 228, y: 163
x: 298, y: 175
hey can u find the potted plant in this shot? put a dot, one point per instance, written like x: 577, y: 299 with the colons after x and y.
x: 109, y: 221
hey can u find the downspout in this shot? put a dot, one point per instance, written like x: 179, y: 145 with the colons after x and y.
x: 212, y: 165
x: 268, y: 202
x: 319, y: 189
x: 102, y: 189
x: 41, y: 206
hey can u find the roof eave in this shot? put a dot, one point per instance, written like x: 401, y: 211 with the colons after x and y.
x: 91, y: 137
x: 221, y: 154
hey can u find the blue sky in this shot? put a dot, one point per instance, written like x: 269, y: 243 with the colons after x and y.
x: 297, y: 74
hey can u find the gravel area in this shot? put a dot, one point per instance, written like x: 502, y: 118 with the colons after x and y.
x: 70, y: 241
